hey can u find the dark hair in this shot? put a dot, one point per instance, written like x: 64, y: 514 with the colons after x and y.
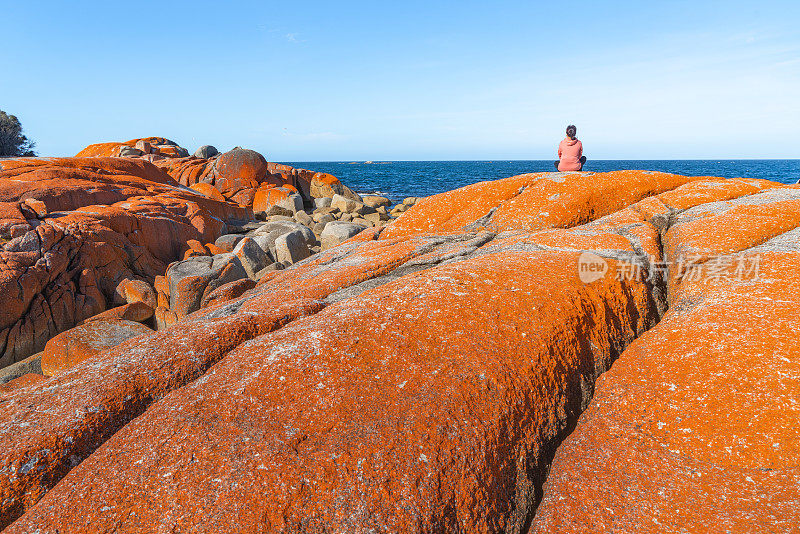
x: 571, y: 131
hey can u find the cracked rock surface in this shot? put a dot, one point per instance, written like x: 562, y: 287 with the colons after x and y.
x: 422, y: 377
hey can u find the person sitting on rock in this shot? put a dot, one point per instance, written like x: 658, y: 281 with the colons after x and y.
x: 570, y: 152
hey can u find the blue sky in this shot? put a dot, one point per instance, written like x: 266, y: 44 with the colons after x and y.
x: 305, y: 81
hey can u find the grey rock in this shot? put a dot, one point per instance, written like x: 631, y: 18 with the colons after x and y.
x: 206, y: 151
x: 363, y: 210
x: 227, y: 242
x: 267, y: 241
x: 243, y: 227
x: 143, y: 146
x: 410, y: 201
x: 322, y: 202
x: 325, y: 211
x: 251, y: 255
x: 400, y: 208
x: 291, y: 248
x: 303, y: 218
x: 375, y: 201
x: 374, y: 218
x: 31, y: 364
x: 228, y: 268
x: 338, y: 232
x: 293, y: 202
x: 272, y: 267
x: 277, y: 218
x: 196, y: 266
x: 271, y: 226
x: 130, y: 152
x: 284, y: 227
x: 276, y: 210
x: 319, y: 227
x: 345, y: 204
x: 323, y: 218
x: 220, y: 268
x: 27, y: 242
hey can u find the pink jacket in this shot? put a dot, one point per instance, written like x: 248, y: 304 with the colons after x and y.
x: 570, y: 152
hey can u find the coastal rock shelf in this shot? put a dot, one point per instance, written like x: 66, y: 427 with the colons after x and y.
x: 425, y: 375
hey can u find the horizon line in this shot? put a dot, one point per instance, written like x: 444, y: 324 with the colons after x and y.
x: 380, y: 161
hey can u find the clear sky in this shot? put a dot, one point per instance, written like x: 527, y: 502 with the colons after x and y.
x: 306, y: 81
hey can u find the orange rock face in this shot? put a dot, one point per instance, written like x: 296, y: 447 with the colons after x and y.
x: 104, y: 220
x: 423, y: 377
x: 148, y: 145
x: 70, y: 348
x: 20, y: 382
x: 235, y: 176
x: 702, y: 405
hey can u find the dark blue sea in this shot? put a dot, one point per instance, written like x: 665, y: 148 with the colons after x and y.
x: 400, y: 179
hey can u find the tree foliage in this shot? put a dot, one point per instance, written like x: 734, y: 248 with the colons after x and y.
x: 12, y: 140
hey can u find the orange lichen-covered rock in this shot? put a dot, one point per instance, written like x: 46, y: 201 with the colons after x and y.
x: 345, y: 398
x: 238, y: 170
x: 197, y: 247
x: 107, y: 219
x: 135, y: 311
x: 208, y: 190
x: 87, y: 403
x: 162, y: 290
x: 266, y: 197
x: 20, y: 382
x: 214, y: 249
x: 322, y: 184
x: 164, y: 317
x: 236, y: 174
x: 131, y: 291
x: 420, y: 379
x: 164, y: 147
x: 227, y: 292
x: 695, y: 428
x: 83, y: 342
x: 533, y: 201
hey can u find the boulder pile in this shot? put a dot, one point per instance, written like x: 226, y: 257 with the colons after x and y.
x: 112, y: 235
x: 448, y: 372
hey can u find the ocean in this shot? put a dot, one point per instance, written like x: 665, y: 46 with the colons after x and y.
x: 400, y: 179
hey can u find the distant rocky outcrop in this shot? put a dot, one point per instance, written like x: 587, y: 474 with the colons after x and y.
x: 421, y: 376
x: 239, y: 175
